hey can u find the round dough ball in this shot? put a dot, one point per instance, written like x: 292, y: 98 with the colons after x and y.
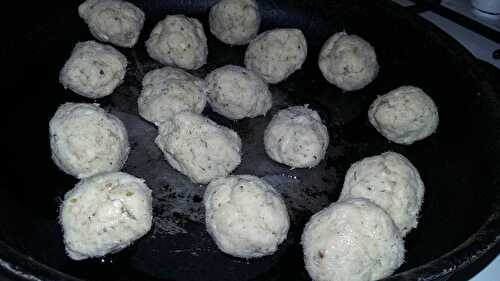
x: 276, y: 54
x: 352, y: 240
x: 104, y: 214
x: 94, y: 70
x: 115, y: 21
x: 85, y: 140
x: 178, y: 41
x: 390, y: 181
x: 198, y: 147
x: 348, y: 61
x: 236, y: 92
x: 235, y: 22
x: 246, y: 217
x: 404, y: 115
x: 168, y: 91
x: 296, y: 137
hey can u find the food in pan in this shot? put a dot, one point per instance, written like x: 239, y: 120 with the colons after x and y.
x: 114, y: 21
x: 348, y: 61
x: 86, y: 140
x: 296, y: 137
x: 104, y: 214
x: 352, y: 240
x: 234, y: 22
x: 198, y: 147
x: 390, y: 181
x: 178, y: 41
x: 245, y: 216
x: 168, y: 91
x: 404, y: 115
x: 276, y: 54
x: 94, y: 70
x: 236, y: 92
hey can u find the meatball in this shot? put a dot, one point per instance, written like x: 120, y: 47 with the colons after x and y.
x: 348, y: 61
x: 104, y: 214
x: 178, y: 41
x: 85, y: 140
x: 168, y: 91
x: 235, y: 22
x: 114, y: 21
x: 404, y: 115
x: 352, y: 240
x: 390, y: 181
x: 276, y: 54
x: 94, y: 70
x: 246, y: 217
x: 198, y: 147
x: 296, y: 137
x: 236, y: 92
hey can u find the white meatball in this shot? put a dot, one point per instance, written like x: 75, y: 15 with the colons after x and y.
x: 246, y: 217
x: 348, y: 61
x: 276, y: 54
x: 115, y: 21
x: 178, y: 41
x: 94, y: 70
x: 236, y: 92
x: 168, y: 91
x: 104, y: 214
x: 353, y: 240
x: 404, y: 115
x: 390, y: 181
x: 235, y: 22
x: 296, y: 137
x: 85, y: 140
x: 198, y: 147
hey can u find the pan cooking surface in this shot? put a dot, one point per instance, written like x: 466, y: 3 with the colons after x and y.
x: 453, y: 162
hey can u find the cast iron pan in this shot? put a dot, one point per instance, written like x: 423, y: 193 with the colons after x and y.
x: 459, y: 164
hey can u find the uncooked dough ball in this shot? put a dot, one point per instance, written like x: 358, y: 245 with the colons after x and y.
x: 94, y: 70
x: 198, y: 147
x: 352, y: 240
x: 276, y: 54
x: 115, y: 21
x: 348, y: 61
x: 390, y: 181
x: 404, y: 115
x: 85, y: 140
x: 235, y: 22
x: 246, y: 217
x: 168, y: 91
x: 296, y: 137
x: 236, y: 92
x: 178, y: 41
x: 104, y: 214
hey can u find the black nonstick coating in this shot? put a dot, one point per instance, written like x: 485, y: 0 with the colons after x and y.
x: 459, y: 164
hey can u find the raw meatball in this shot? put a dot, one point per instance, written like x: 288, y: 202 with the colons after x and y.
x: 114, y: 21
x: 245, y: 216
x: 348, y: 61
x: 236, y: 92
x: 168, y: 91
x: 85, y: 140
x: 390, y: 181
x: 404, y: 115
x: 276, y: 54
x: 94, y: 70
x: 199, y: 148
x: 352, y: 240
x: 235, y: 22
x: 178, y: 41
x: 296, y: 137
x: 104, y: 214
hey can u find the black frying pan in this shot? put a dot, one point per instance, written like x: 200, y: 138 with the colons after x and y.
x: 459, y: 164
